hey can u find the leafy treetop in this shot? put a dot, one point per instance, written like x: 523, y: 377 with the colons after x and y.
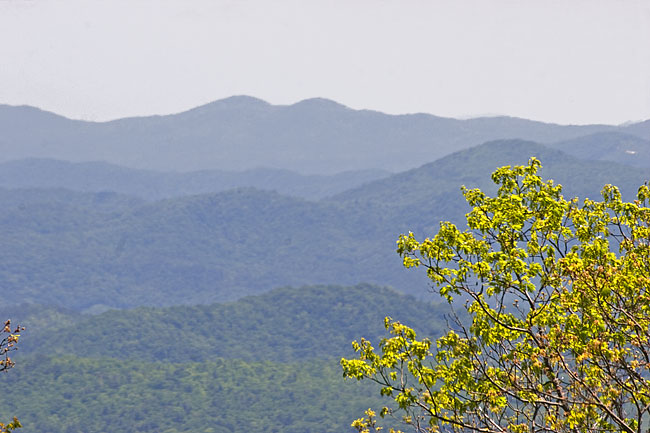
x: 558, y: 296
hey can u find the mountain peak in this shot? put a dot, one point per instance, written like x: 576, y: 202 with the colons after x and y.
x: 237, y: 101
x: 242, y: 100
x: 27, y: 113
x: 319, y: 103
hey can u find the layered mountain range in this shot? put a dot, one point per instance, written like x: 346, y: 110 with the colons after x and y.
x: 201, y: 271
x: 113, y: 250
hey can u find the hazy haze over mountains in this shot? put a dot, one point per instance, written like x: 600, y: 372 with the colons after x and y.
x: 155, y: 185
x: 621, y: 147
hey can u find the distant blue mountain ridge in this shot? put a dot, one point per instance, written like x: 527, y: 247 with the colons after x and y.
x: 315, y: 136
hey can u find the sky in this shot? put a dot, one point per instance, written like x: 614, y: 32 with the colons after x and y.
x: 569, y: 62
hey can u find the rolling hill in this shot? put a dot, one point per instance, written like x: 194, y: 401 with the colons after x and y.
x: 282, y: 325
x: 267, y: 362
x: 418, y: 199
x: 215, y: 247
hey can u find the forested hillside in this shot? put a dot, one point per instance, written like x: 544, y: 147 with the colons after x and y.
x: 267, y: 362
x: 283, y: 325
x: 92, y: 251
x: 418, y: 199
x: 70, y: 394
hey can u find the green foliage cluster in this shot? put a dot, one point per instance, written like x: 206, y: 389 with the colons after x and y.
x: 558, y: 292
x: 9, y: 336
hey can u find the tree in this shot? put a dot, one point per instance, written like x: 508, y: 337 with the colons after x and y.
x: 8, y: 342
x: 557, y: 335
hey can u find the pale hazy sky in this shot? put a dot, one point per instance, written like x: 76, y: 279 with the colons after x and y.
x: 568, y: 61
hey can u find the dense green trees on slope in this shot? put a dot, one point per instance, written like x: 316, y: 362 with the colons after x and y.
x: 81, y: 395
x: 268, y: 363
x: 285, y: 325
